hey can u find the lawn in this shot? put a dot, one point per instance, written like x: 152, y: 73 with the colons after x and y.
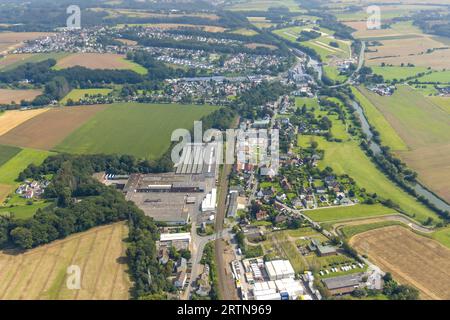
x: 309, y: 102
x: 349, y: 212
x: 389, y: 136
x: 7, y: 153
x: 78, y: 94
x: 348, y: 158
x: 399, y: 73
x: 334, y: 74
x: 10, y: 171
x: 142, y: 130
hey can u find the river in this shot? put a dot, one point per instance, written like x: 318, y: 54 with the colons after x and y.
x: 420, y: 190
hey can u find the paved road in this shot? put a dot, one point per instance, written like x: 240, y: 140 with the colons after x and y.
x: 395, y: 217
x: 360, y: 64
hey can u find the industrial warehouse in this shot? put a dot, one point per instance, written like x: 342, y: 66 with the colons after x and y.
x: 175, y: 197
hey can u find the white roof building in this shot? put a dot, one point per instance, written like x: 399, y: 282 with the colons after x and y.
x: 184, y: 236
x: 209, y: 203
x: 279, y: 269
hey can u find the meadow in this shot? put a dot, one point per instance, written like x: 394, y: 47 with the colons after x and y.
x: 436, y: 77
x: 398, y: 73
x: 11, y: 169
x: 7, y: 153
x: 42, y: 273
x: 349, y: 212
x: 348, y: 158
x: 424, y: 127
x: 441, y: 102
x: 78, y: 94
x: 142, y: 130
x: 388, y: 135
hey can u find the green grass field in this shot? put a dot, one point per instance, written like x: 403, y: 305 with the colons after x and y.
x: 436, y: 77
x: 309, y: 102
x: 399, y: 73
x: 142, y: 130
x: 389, y: 136
x: 78, y: 94
x: 38, y: 57
x: 417, y: 121
x: 10, y: 170
x: 23, y: 211
x: 350, y: 212
x: 348, y: 158
x: 333, y: 73
x: 350, y: 231
x: 443, y: 236
x: 7, y: 153
x: 244, y: 32
x: 135, y: 67
x: 441, y: 102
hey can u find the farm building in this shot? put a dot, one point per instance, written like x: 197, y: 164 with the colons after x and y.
x: 343, y: 284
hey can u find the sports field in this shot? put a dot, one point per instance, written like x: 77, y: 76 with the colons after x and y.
x: 349, y: 212
x: 388, y: 135
x: 99, y: 61
x: 48, y: 129
x: 41, y: 273
x: 78, y: 94
x: 412, y: 259
x: 348, y: 158
x: 142, y: 130
x: 425, y: 128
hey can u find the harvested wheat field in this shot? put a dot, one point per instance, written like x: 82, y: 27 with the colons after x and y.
x: 412, y: 259
x: 8, y: 95
x: 11, y: 119
x: 11, y: 40
x: 13, y: 58
x: 50, y: 128
x: 94, y: 61
x: 41, y: 273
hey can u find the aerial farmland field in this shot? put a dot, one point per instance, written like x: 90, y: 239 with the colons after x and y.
x: 425, y: 128
x: 41, y: 273
x: 142, y: 130
x: 349, y: 212
x: 412, y: 259
x: 46, y: 130
x: 99, y: 61
x: 78, y: 94
x: 11, y: 119
x: 348, y: 158
x: 8, y: 96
